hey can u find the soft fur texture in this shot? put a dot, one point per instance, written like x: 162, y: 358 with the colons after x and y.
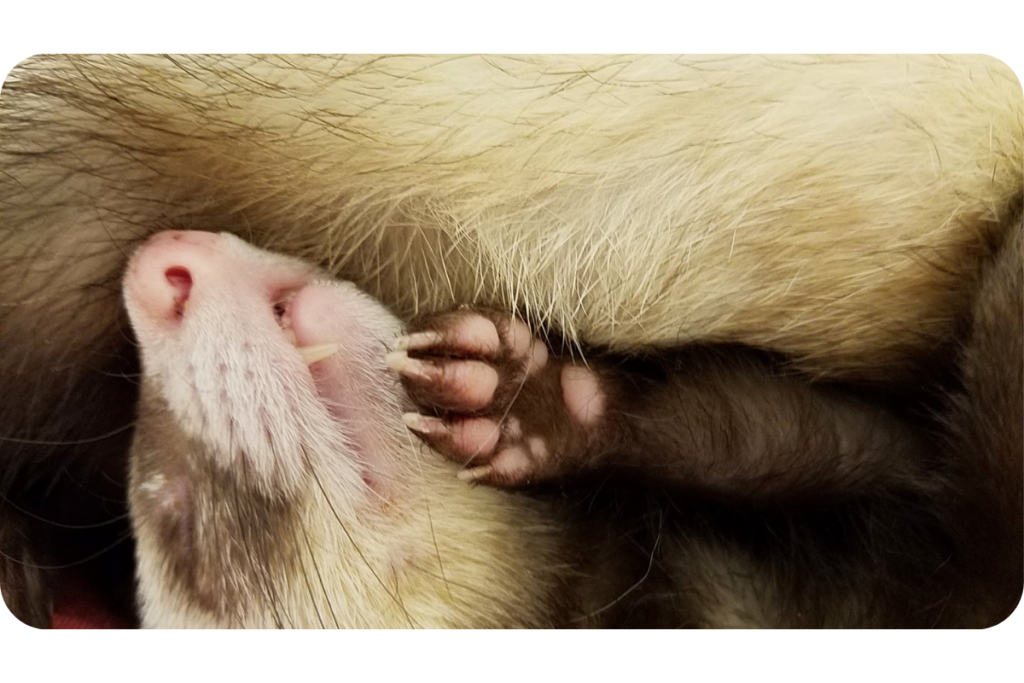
x: 783, y: 504
x: 833, y: 209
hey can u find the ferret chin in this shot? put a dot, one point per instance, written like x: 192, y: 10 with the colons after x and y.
x: 273, y: 481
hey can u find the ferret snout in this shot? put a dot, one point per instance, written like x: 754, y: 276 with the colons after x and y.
x: 170, y: 266
x: 176, y: 271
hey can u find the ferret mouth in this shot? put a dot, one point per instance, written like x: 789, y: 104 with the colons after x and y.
x: 326, y: 390
x: 310, y: 354
x: 314, y: 354
x: 341, y: 336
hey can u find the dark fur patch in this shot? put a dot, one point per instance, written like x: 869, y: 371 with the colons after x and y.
x: 222, y: 537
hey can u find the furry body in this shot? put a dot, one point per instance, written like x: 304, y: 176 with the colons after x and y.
x: 836, y: 210
x: 764, y: 501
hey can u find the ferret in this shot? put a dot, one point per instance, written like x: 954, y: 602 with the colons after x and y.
x: 274, y: 482
x: 834, y: 210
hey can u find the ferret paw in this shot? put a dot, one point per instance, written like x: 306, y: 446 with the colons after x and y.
x: 490, y: 386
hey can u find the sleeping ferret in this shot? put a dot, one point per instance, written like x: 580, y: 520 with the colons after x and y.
x: 276, y: 479
x: 836, y: 210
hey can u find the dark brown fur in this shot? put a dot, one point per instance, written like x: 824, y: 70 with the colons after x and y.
x: 772, y: 500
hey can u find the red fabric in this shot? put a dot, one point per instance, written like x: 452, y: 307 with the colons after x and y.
x: 78, y: 606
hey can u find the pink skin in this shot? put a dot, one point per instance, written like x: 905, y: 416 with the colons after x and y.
x: 582, y: 395
x: 220, y: 325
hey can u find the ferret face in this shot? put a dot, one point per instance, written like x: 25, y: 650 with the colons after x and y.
x: 260, y: 358
x: 273, y: 481
x: 270, y: 454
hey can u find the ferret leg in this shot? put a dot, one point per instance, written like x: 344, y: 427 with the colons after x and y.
x: 496, y: 399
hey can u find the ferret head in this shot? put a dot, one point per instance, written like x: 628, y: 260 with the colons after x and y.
x: 273, y: 481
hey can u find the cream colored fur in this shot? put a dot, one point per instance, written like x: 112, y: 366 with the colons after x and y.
x: 830, y: 208
x: 826, y: 207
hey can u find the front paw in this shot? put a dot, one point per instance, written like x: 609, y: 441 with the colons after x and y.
x: 484, y: 385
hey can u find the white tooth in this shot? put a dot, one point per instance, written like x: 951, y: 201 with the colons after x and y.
x: 311, y: 354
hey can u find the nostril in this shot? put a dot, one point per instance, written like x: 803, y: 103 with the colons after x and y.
x: 180, y: 281
x: 179, y: 278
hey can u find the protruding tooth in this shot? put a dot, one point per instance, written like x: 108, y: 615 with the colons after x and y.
x: 312, y: 354
x: 424, y: 424
x: 418, y: 340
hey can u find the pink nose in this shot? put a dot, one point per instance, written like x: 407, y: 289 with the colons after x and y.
x: 166, y: 268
